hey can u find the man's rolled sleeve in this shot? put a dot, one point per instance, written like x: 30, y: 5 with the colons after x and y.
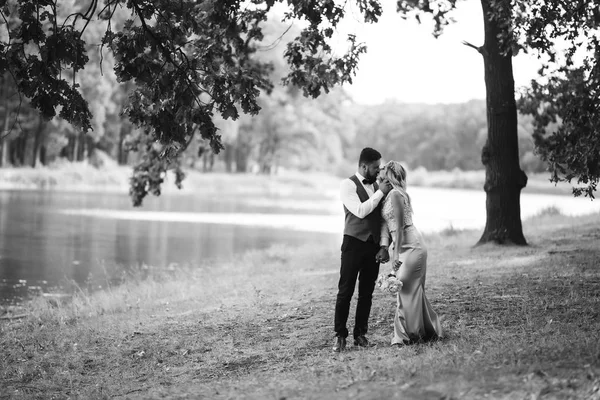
x: 351, y: 201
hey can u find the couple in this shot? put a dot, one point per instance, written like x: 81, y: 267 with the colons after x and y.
x: 374, y: 214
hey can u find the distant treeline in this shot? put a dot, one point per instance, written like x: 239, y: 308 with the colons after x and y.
x: 294, y: 132
x: 436, y: 137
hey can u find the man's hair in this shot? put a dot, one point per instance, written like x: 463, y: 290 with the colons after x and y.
x: 368, y: 155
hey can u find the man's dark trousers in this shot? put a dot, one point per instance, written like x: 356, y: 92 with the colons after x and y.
x: 358, y: 261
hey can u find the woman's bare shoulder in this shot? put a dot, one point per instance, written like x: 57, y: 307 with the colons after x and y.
x: 395, y: 194
x: 396, y: 197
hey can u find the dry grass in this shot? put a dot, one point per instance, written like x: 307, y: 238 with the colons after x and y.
x: 521, y: 322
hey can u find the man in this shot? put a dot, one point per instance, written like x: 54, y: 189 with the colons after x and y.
x: 361, y: 251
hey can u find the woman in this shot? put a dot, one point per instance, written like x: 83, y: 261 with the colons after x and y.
x: 415, y: 319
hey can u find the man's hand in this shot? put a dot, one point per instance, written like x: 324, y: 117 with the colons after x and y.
x: 382, y: 255
x: 385, y: 186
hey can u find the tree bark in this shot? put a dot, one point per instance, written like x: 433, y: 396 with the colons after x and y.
x: 3, y: 152
x: 37, y: 142
x: 228, y: 156
x: 242, y: 151
x: 504, y: 178
x: 81, y: 146
x: 43, y: 157
x: 5, y: 125
x: 88, y: 146
x: 18, y: 147
x: 122, y: 154
x: 75, y: 148
x: 241, y: 160
x: 4, y: 137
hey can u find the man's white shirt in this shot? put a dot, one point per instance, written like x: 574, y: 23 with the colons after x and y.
x: 362, y: 209
x: 352, y: 202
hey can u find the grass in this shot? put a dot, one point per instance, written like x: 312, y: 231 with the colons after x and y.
x: 520, y: 322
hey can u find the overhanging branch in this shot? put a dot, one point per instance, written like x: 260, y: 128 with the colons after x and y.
x: 479, y: 49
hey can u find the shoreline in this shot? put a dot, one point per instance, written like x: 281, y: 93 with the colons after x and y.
x: 83, y: 177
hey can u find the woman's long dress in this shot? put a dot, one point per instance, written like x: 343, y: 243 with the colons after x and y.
x: 415, y: 319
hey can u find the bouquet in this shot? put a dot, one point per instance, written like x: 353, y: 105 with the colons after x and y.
x: 389, y: 283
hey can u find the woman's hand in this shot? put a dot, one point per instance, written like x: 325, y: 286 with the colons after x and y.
x: 382, y: 255
x: 396, y: 265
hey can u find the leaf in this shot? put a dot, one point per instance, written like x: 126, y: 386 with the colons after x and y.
x: 230, y: 112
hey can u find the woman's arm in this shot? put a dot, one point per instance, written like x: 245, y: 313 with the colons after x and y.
x: 384, y: 243
x: 384, y: 234
x: 397, y: 205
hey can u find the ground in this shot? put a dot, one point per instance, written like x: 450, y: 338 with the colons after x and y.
x: 520, y: 322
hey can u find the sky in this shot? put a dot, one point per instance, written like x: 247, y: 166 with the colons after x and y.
x: 404, y: 62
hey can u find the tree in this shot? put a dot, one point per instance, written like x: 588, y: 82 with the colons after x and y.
x: 504, y: 178
x: 565, y: 99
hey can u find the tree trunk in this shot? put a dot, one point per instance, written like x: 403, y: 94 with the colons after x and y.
x: 4, y: 134
x: 43, y: 156
x: 242, y: 151
x: 228, y: 156
x: 241, y: 160
x: 17, y: 150
x: 75, y: 148
x: 88, y: 146
x: 504, y: 178
x: 81, y: 146
x: 37, y: 142
x: 4, y: 137
x: 2, y: 152
x: 122, y: 154
x: 67, y: 151
x: 84, y: 147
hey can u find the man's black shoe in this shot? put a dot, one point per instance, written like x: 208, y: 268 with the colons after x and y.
x: 361, y: 341
x: 340, y: 344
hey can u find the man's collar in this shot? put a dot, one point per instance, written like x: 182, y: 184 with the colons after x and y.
x: 359, y: 176
x: 362, y: 179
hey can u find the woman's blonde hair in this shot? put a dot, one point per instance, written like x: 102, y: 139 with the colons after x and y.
x: 396, y: 175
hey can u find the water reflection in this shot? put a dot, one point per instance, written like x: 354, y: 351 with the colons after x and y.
x: 49, y: 238
x: 78, y: 237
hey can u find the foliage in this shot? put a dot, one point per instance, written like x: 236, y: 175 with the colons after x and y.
x: 573, y: 149
x: 564, y: 100
x: 37, y: 50
x: 189, y: 60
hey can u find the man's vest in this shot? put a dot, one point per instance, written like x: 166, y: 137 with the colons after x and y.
x: 365, y: 227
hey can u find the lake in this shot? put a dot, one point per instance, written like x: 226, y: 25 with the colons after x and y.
x: 52, y: 238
